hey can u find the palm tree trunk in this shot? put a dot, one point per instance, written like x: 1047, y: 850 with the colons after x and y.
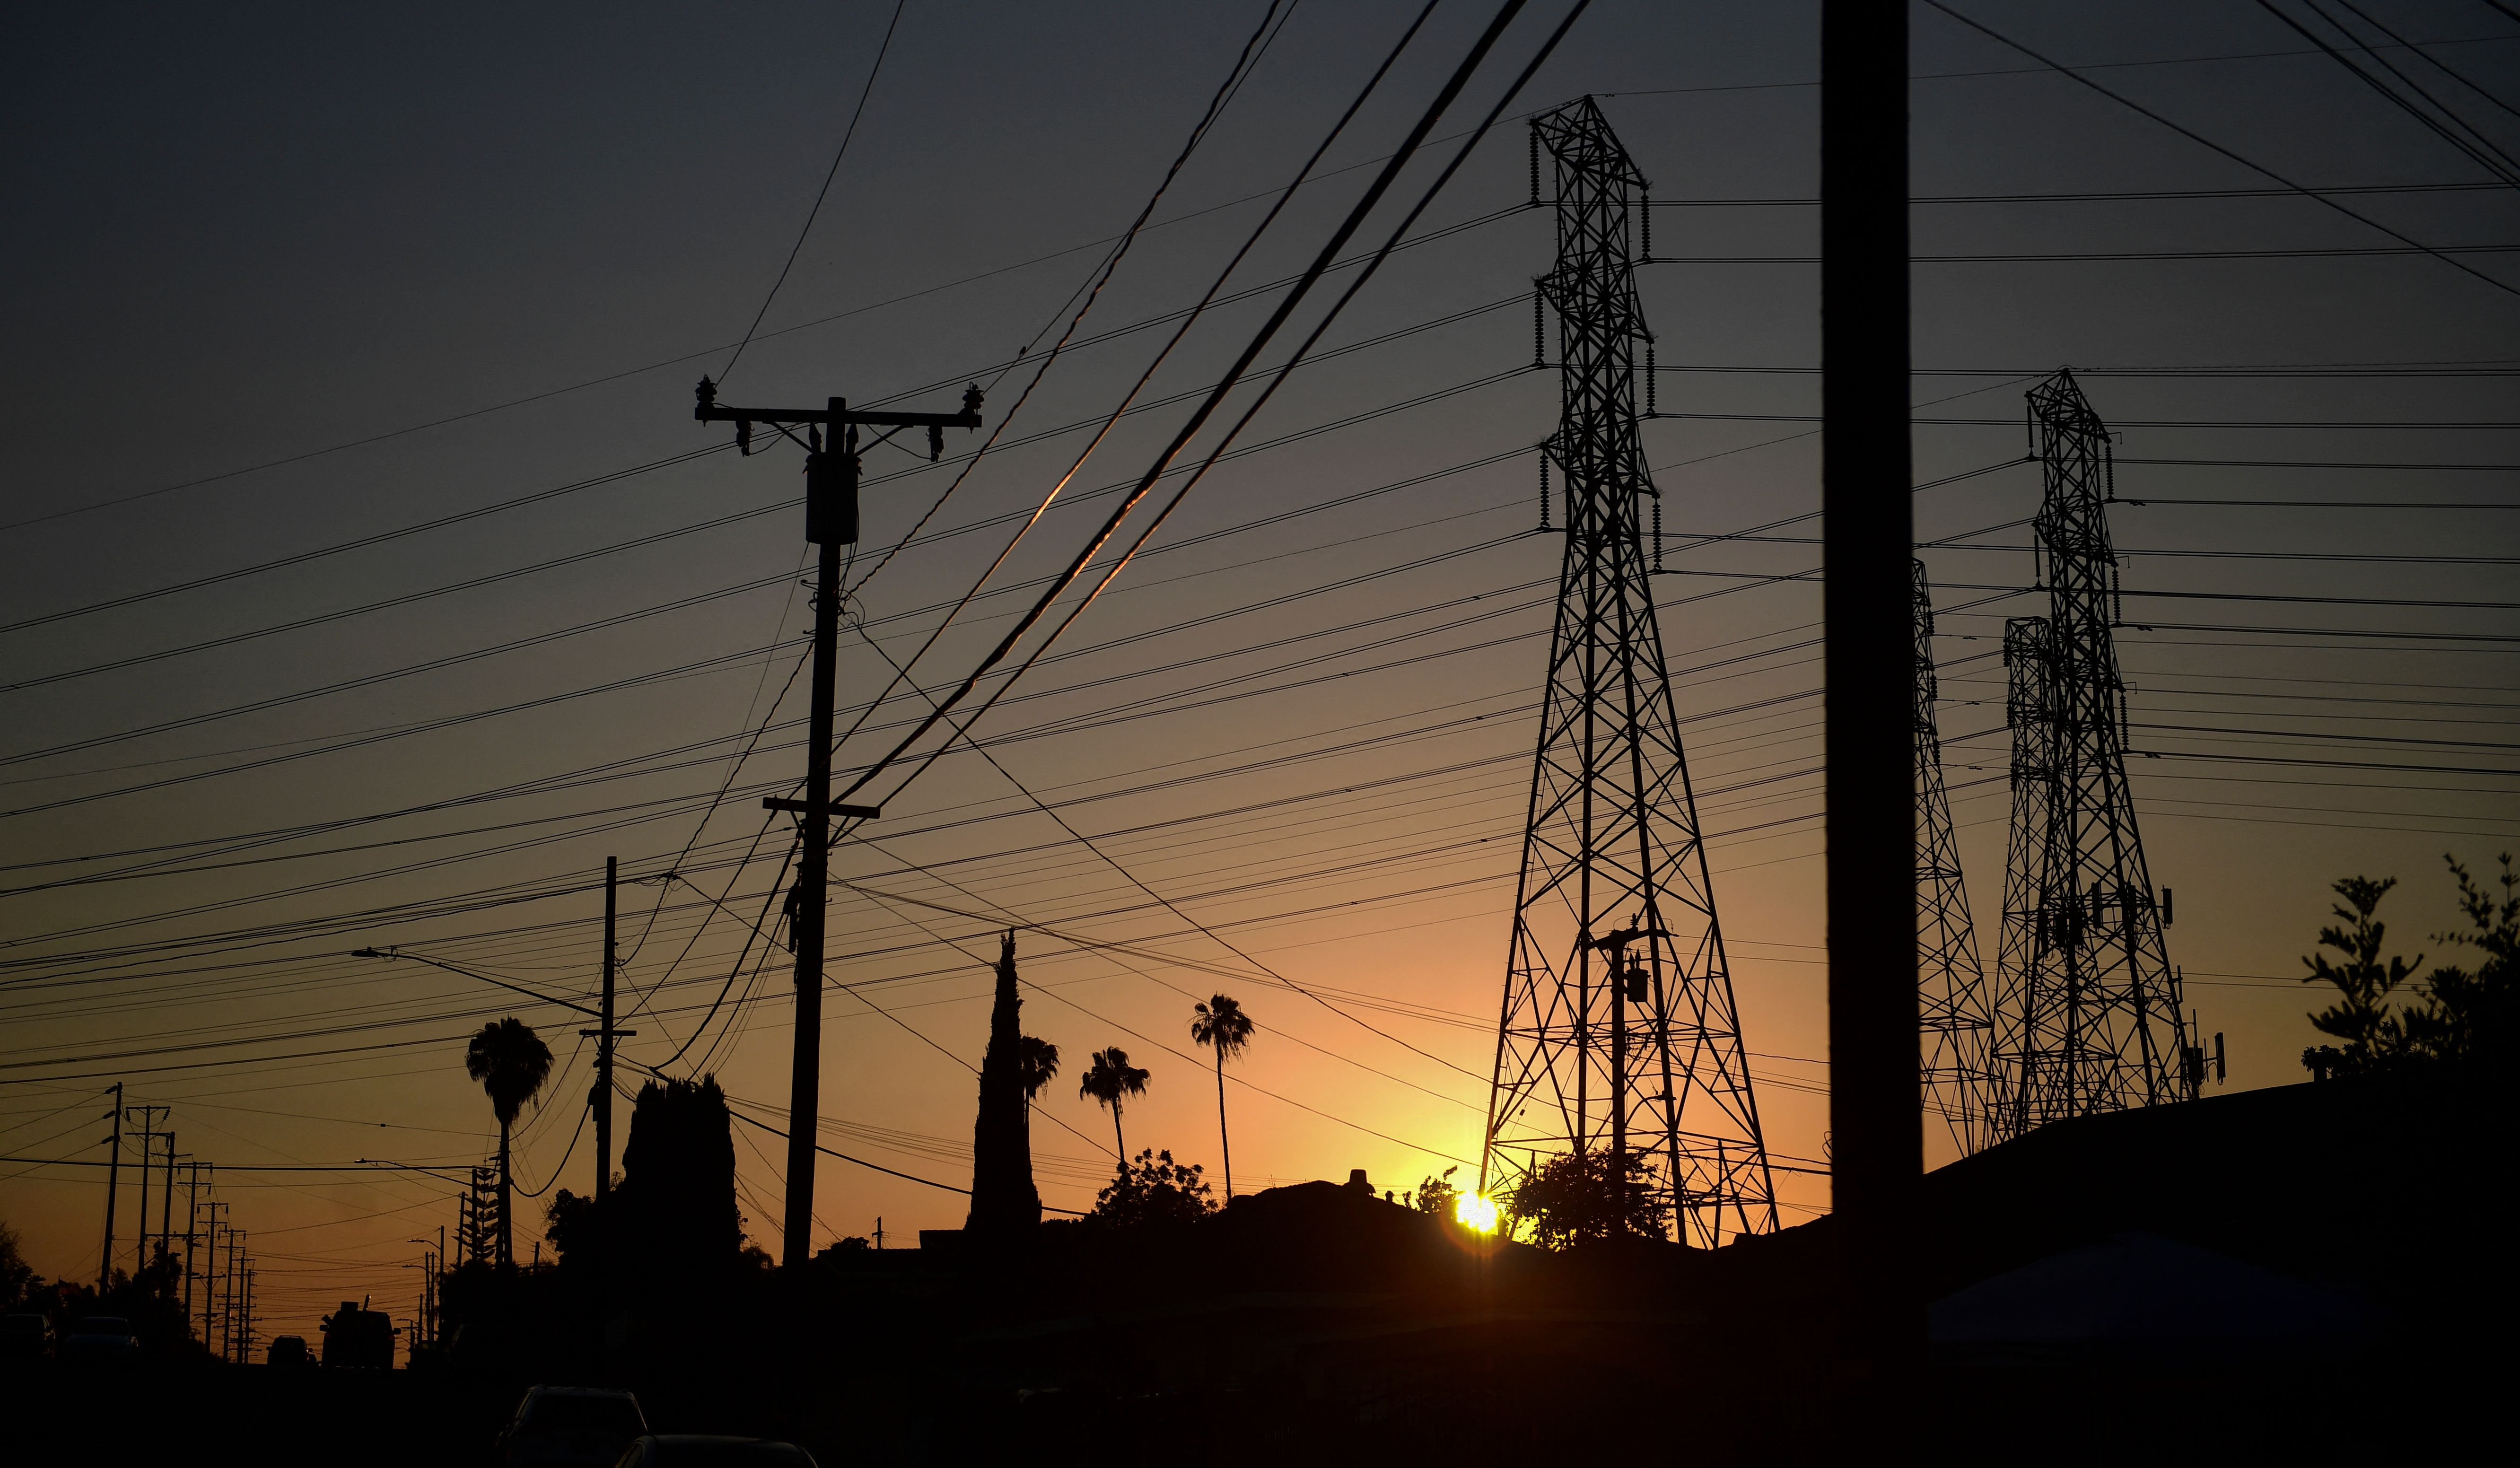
x: 1224, y: 1138
x: 1118, y: 1141
x: 507, y: 1239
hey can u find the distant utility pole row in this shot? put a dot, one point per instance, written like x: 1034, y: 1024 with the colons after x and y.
x: 157, y: 1144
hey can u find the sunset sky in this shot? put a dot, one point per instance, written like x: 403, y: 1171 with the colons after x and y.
x: 285, y: 284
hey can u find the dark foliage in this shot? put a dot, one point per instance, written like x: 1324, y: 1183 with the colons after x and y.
x: 675, y: 1207
x: 2457, y: 1016
x: 1004, y: 1201
x: 1153, y: 1191
x: 1587, y: 1197
x: 1435, y: 1195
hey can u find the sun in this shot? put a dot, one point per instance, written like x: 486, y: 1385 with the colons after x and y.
x: 1475, y: 1212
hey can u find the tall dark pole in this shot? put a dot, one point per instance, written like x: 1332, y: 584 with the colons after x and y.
x: 830, y: 522
x: 604, y: 1038
x: 1876, y: 1122
x: 166, y: 1207
x: 192, y: 1220
x: 814, y: 868
x: 210, y: 1271
x: 113, y: 1186
x: 148, y: 1135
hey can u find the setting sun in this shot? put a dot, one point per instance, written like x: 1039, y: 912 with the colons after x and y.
x: 1475, y: 1212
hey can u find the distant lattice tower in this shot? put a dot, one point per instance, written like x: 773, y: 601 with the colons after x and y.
x: 1953, y: 1012
x: 1618, y: 1030
x: 2087, y: 1004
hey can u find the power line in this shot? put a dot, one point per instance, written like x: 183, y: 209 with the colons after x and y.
x: 2201, y: 140
x: 843, y: 151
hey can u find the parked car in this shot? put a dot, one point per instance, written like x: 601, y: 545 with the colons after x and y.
x: 22, y: 1338
x: 692, y: 1450
x: 100, y: 1338
x: 289, y: 1351
x: 564, y: 1427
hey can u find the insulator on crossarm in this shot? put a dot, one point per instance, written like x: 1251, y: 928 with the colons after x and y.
x: 1535, y: 167
x: 1544, y: 490
x: 1650, y: 379
x: 1645, y: 230
x: 1538, y: 332
x: 1657, y: 529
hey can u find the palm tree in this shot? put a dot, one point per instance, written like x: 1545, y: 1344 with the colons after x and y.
x: 512, y: 1063
x: 1109, y: 1082
x: 1036, y: 1064
x: 1221, y: 1025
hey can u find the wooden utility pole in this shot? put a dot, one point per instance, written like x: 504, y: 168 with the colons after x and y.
x: 228, y: 1307
x: 192, y: 1220
x: 605, y: 1034
x: 113, y: 1186
x: 210, y: 1275
x: 832, y: 448
x: 1877, y: 1121
x: 166, y: 1207
x: 140, y: 1237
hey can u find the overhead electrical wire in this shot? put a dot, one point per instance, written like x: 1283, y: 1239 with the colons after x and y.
x: 2080, y: 77
x: 1259, y: 341
x: 882, y: 50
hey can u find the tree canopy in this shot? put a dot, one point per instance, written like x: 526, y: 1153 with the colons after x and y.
x: 2384, y: 1023
x: 512, y: 1063
x: 1152, y: 1191
x: 1589, y: 1197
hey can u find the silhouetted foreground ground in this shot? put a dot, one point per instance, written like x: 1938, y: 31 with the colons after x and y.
x: 2306, y: 1274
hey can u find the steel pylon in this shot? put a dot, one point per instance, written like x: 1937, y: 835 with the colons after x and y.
x: 2088, y: 1011
x: 1618, y: 1030
x: 1957, y: 1024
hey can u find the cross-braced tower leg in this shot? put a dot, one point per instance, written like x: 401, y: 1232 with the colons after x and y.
x: 1957, y: 1027
x: 1618, y: 1033
x: 2088, y: 1008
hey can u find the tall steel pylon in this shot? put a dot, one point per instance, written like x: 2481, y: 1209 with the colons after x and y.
x: 1618, y: 1031
x: 1957, y: 1028
x: 2088, y: 1006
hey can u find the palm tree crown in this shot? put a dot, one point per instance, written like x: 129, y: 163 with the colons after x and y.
x: 512, y: 1063
x: 1221, y: 1025
x: 1036, y: 1064
x: 1112, y: 1079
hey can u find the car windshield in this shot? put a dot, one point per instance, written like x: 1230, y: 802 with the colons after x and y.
x: 597, y: 1416
x: 105, y: 1325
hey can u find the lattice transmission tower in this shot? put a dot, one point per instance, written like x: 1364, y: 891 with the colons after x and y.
x: 1953, y: 1014
x: 2088, y: 1006
x: 1618, y: 1032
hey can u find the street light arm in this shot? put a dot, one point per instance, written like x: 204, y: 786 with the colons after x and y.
x: 375, y: 952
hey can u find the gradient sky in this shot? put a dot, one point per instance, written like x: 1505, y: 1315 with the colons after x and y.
x: 311, y: 276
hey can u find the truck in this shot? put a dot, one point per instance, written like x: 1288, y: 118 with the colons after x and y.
x: 359, y: 1338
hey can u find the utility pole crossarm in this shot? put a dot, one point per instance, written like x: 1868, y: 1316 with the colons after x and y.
x: 835, y: 413
x: 801, y: 808
x: 711, y: 415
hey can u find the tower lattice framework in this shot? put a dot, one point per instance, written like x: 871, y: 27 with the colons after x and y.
x: 1953, y: 1014
x: 2087, y: 1007
x: 1618, y: 1031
